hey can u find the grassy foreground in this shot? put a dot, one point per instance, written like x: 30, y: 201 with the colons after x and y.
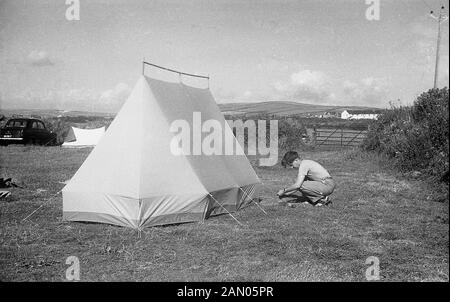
x: 375, y: 213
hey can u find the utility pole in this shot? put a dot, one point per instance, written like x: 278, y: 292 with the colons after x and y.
x: 440, y: 19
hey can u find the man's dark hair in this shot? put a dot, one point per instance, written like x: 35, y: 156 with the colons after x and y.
x: 289, y: 158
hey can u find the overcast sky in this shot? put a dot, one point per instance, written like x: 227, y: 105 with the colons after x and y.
x: 320, y: 52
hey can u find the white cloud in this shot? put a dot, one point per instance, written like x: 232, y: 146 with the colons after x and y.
x: 115, y: 97
x: 368, y: 91
x: 311, y: 86
x: 248, y: 94
x: 424, y: 44
x: 39, y: 58
x: 305, y: 85
x: 224, y: 96
x: 313, y: 79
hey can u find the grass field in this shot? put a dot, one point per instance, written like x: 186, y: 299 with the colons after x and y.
x: 375, y: 213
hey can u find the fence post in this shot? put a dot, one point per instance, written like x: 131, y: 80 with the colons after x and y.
x: 314, y: 136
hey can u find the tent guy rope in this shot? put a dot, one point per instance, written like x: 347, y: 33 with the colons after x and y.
x: 254, y: 201
x: 32, y: 213
x: 226, y: 210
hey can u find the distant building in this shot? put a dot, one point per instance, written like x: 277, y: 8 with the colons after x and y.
x: 371, y: 114
x: 324, y: 114
x: 231, y: 112
x: 328, y: 115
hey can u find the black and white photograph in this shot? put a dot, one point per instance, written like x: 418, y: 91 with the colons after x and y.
x: 224, y: 146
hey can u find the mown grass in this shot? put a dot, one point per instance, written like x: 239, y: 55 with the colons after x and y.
x: 375, y: 213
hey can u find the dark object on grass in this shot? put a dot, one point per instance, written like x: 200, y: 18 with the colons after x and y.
x: 4, y: 194
x: 7, y: 183
x: 445, y: 177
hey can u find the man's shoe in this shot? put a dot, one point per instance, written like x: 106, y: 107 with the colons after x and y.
x: 326, y: 201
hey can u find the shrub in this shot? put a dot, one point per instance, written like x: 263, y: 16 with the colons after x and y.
x: 416, y: 136
x: 290, y: 130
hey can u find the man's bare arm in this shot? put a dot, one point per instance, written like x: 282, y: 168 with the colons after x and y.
x: 296, y: 185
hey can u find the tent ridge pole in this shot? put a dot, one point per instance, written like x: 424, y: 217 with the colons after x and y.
x: 176, y: 71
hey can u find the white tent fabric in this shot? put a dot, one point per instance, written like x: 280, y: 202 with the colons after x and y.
x: 83, y: 137
x: 131, y: 178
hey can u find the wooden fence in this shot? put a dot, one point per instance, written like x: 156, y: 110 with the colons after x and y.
x: 339, y: 137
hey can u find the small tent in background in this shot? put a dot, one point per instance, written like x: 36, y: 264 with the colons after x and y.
x: 83, y: 137
x: 132, y: 178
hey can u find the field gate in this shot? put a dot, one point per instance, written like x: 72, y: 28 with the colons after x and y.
x: 339, y: 137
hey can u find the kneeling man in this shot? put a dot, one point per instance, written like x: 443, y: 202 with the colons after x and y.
x: 314, y: 184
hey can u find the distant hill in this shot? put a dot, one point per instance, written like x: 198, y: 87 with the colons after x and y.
x: 271, y: 107
x: 51, y: 113
x: 284, y: 108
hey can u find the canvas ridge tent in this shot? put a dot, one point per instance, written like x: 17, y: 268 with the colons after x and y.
x: 83, y: 137
x: 132, y: 179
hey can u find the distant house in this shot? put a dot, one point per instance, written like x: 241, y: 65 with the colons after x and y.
x: 371, y: 114
x: 231, y: 112
x: 328, y: 115
x: 324, y: 114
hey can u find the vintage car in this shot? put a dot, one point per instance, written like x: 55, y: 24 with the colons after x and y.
x: 26, y: 131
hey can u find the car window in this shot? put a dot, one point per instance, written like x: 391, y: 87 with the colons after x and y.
x: 17, y: 123
x: 41, y: 125
x: 34, y: 125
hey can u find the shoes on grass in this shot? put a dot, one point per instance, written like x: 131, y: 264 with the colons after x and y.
x: 326, y: 201
x: 322, y: 202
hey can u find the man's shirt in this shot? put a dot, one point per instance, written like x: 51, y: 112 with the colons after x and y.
x: 312, y: 170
